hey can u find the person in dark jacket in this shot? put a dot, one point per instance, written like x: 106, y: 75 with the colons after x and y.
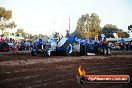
x: 127, y: 46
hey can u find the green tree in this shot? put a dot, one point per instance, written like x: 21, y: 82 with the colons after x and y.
x: 29, y: 36
x: 88, y: 26
x: 130, y: 28
x: 109, y: 29
x: 126, y: 35
x: 10, y: 25
x: 5, y: 16
x: 22, y: 32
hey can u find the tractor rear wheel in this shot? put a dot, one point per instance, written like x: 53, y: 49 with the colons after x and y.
x: 69, y: 50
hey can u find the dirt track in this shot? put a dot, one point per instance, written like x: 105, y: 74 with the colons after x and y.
x: 61, y: 71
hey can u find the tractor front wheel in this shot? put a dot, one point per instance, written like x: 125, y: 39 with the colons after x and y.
x: 108, y: 51
x: 48, y: 52
x: 33, y: 52
x: 105, y: 51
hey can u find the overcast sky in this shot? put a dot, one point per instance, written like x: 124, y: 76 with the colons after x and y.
x: 38, y: 16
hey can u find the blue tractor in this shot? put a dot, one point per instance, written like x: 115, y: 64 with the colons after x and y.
x: 54, y: 46
x: 38, y: 47
x: 70, y: 44
x: 98, y: 47
x: 62, y: 47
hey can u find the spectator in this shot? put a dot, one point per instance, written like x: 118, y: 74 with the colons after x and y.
x: 131, y: 46
x: 127, y: 46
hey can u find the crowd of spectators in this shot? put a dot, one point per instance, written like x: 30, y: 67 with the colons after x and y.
x: 15, y: 45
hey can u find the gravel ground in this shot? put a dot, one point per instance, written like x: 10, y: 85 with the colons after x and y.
x: 26, y: 71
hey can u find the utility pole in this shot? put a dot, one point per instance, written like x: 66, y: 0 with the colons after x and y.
x: 69, y: 24
x: 54, y: 27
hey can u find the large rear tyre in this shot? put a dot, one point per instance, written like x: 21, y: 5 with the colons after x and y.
x: 69, y: 50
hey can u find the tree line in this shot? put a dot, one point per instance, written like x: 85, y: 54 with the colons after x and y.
x: 88, y: 26
x: 5, y: 17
